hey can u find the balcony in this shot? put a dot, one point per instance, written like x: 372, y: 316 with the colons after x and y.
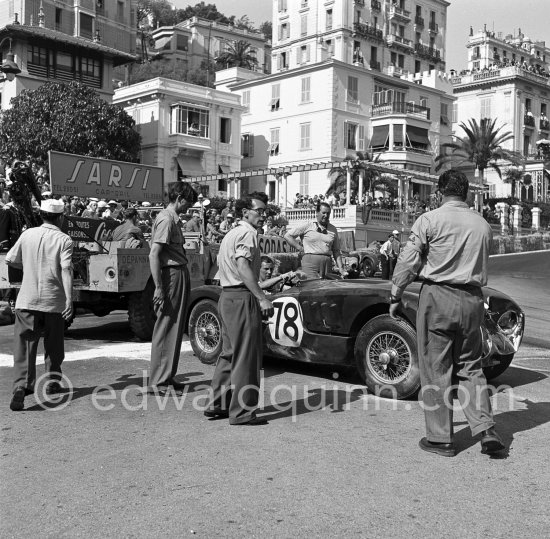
x: 399, y: 14
x: 400, y: 107
x: 433, y: 27
x: 399, y: 41
x: 529, y: 120
x: 544, y: 125
x: 419, y: 21
x: 374, y: 65
x: 430, y: 53
x: 476, y: 56
x: 360, y: 3
x: 375, y: 5
x: 368, y: 31
x: 502, y: 72
x: 395, y: 71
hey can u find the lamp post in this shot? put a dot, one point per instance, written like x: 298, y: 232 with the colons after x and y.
x: 9, y: 68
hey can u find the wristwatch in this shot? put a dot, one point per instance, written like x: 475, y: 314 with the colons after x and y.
x: 394, y: 300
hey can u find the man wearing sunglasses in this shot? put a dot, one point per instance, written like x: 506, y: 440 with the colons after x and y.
x: 319, y: 244
x: 242, y: 304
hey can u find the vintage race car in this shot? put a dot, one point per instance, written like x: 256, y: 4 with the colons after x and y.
x: 346, y: 323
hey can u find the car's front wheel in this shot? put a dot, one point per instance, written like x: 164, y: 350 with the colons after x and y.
x: 386, y: 357
x: 205, y: 331
x: 497, y: 370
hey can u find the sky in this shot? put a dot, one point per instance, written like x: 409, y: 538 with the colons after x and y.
x: 506, y: 16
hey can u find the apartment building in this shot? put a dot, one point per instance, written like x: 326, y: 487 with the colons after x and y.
x: 508, y: 78
x: 324, y: 102
x: 187, y: 130
x: 63, y: 40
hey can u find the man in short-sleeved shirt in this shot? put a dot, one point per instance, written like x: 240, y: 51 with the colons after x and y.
x: 171, y: 277
x: 45, y: 298
x: 320, y: 243
x: 128, y: 231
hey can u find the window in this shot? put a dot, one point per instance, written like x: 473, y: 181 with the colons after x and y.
x: 361, y: 138
x: 86, y: 26
x: 304, y: 182
x: 189, y: 121
x: 401, y: 61
x: 303, y: 54
x: 247, y: 145
x: 393, y: 58
x: 454, y: 119
x: 274, y: 144
x: 330, y: 48
x: 282, y: 61
x: 329, y: 19
x: 527, y: 106
x: 303, y: 25
x: 423, y: 101
x: 284, y: 31
x: 445, y: 113
x: 305, y: 136
x: 225, y: 130
x: 350, y: 134
x: 38, y: 56
x: 58, y: 18
x: 282, y: 5
x: 275, y: 96
x: 306, y: 90
x: 353, y: 90
x: 417, y: 66
x: 246, y: 99
x: 485, y: 107
x: 182, y: 43
x: 120, y: 11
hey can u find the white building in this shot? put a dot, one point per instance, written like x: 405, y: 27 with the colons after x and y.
x: 508, y: 78
x: 324, y: 102
x: 187, y: 130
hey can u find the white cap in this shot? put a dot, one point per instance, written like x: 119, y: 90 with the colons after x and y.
x: 47, y: 194
x: 395, y: 232
x: 112, y: 202
x: 91, y: 199
x: 52, y: 205
x: 102, y: 204
x: 230, y: 215
x: 145, y: 204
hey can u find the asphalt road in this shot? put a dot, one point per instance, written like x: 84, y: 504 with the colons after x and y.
x: 332, y: 461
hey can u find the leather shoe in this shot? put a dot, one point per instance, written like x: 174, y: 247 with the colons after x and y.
x: 491, y: 442
x: 254, y: 422
x: 442, y: 449
x: 179, y: 386
x: 53, y: 388
x: 216, y: 413
x: 18, y: 399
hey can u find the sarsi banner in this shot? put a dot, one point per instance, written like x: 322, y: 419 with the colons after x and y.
x: 83, y: 176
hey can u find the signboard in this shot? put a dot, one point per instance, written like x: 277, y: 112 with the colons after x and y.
x: 274, y: 244
x: 86, y: 229
x: 79, y: 175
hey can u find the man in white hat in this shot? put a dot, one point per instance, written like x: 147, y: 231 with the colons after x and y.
x: 396, y: 249
x: 44, y: 300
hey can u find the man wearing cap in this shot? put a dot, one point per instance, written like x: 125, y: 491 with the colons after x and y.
x: 172, y: 286
x: 319, y: 244
x: 44, y: 300
x: 227, y: 224
x: 193, y: 225
x: 112, y: 212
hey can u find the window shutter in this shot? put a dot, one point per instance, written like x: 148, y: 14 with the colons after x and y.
x: 307, y: 53
x: 250, y: 145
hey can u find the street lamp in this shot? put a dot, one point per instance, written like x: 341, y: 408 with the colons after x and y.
x: 9, y: 67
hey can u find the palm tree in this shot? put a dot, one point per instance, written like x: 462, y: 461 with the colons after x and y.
x: 238, y: 54
x: 359, y: 165
x: 481, y: 146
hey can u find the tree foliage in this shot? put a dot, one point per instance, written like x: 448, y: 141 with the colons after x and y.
x: 359, y: 166
x: 481, y: 146
x: 66, y: 117
x: 171, y: 69
x: 153, y: 13
x: 204, y: 11
x: 237, y: 54
x: 266, y: 28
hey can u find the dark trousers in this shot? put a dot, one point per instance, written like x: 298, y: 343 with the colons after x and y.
x: 169, y: 326
x: 316, y: 266
x: 28, y: 328
x: 385, y: 265
x: 236, y: 380
x: 449, y: 348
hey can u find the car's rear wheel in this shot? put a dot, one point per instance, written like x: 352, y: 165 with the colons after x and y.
x: 368, y: 266
x: 497, y: 370
x: 205, y: 331
x: 386, y: 357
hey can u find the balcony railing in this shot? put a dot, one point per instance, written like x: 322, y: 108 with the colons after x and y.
x: 419, y: 21
x: 429, y: 52
x: 508, y: 71
x: 368, y: 31
x: 375, y: 5
x: 433, y: 27
x: 476, y: 56
x: 401, y: 107
x: 544, y: 125
x: 374, y: 65
x: 529, y: 120
x: 399, y: 13
x: 395, y: 71
x: 392, y: 39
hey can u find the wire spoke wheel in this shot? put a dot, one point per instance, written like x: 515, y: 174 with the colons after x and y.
x: 205, y: 331
x: 208, y: 332
x: 389, y: 357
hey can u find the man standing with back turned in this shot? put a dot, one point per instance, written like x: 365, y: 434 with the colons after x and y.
x: 45, y: 299
x: 236, y: 380
x: 172, y: 284
x: 448, y: 249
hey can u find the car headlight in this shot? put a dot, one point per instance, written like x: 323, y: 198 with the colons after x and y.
x: 508, y: 322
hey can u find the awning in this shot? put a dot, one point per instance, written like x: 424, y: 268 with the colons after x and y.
x: 224, y: 169
x: 422, y: 182
x: 191, y: 166
x: 398, y: 134
x: 379, y: 136
x: 418, y: 135
x: 162, y: 42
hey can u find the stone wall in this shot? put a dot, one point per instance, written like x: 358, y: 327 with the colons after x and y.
x: 519, y: 244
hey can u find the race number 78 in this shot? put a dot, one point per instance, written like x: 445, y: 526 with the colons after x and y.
x: 285, y: 326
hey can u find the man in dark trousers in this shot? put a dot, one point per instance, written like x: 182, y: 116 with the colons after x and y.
x: 171, y: 297
x: 44, y: 300
x: 236, y: 380
x: 448, y: 249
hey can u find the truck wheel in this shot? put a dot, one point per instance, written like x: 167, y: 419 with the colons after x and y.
x: 368, y: 267
x: 497, y: 370
x: 141, y: 314
x: 386, y: 357
x: 205, y: 331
